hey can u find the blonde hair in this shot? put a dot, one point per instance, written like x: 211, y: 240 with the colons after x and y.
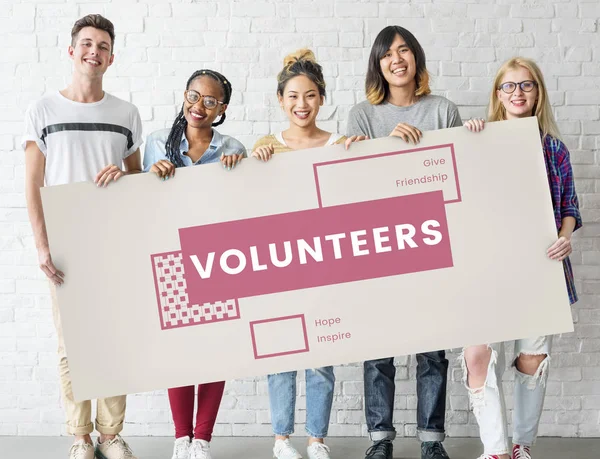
x: 542, y: 108
x: 301, y: 54
x: 301, y: 62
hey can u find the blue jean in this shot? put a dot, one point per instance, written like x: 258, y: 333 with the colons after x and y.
x: 432, y: 377
x: 319, y: 398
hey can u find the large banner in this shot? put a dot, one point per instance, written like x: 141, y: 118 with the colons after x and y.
x: 318, y: 257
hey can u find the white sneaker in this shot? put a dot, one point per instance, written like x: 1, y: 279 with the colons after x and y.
x: 283, y: 449
x: 117, y: 448
x: 318, y: 451
x: 200, y: 449
x: 521, y: 452
x: 181, y: 449
x: 81, y: 450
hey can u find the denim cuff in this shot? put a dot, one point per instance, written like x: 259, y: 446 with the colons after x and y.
x: 315, y: 434
x: 378, y: 435
x: 430, y: 435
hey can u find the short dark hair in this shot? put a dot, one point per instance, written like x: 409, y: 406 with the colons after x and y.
x: 96, y: 21
x: 376, y: 87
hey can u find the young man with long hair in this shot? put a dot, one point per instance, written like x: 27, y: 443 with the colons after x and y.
x: 399, y: 103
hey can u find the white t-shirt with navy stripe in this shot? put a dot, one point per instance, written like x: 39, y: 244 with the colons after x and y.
x: 80, y: 139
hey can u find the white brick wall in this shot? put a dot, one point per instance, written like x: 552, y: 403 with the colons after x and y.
x: 160, y: 43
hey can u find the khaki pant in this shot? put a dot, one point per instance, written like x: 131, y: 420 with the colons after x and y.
x: 110, y: 412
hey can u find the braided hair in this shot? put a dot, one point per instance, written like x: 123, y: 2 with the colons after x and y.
x: 173, y: 143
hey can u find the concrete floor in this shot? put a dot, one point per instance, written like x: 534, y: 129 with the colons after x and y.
x: 260, y: 448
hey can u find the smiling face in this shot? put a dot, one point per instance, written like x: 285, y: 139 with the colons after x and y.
x: 518, y: 104
x: 398, y: 64
x: 301, y: 101
x: 197, y: 115
x: 91, y: 52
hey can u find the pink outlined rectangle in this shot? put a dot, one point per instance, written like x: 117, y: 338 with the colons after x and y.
x: 392, y: 153
x: 279, y: 319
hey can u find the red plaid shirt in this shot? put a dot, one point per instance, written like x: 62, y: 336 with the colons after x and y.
x: 564, y: 196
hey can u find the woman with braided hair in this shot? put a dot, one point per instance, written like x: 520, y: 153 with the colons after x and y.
x: 192, y: 140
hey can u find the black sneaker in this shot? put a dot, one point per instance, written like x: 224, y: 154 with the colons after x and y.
x: 382, y: 449
x: 433, y: 450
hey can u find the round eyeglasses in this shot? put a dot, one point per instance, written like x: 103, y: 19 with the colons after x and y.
x: 209, y: 102
x: 526, y: 86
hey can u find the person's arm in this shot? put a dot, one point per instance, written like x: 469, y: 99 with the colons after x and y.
x: 569, y: 206
x: 356, y: 125
x: 113, y: 172
x: 562, y: 248
x: 35, y: 164
x: 475, y: 124
x: 133, y: 163
x: 131, y: 157
x: 567, y: 227
x: 347, y: 141
x: 263, y: 149
x: 454, y: 118
x: 155, y: 159
x: 231, y: 160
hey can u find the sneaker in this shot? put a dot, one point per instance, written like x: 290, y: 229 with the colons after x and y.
x: 382, y: 449
x: 318, y: 451
x: 200, y: 449
x: 433, y: 450
x: 489, y: 456
x: 181, y: 450
x: 283, y: 449
x: 117, y: 448
x: 81, y: 450
x: 521, y: 452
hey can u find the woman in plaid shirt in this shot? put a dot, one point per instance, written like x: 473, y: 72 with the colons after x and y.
x: 519, y: 91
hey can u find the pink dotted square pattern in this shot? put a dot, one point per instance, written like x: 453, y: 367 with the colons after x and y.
x: 175, y: 309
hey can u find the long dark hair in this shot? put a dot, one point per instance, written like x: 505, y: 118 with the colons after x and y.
x: 179, y: 125
x: 376, y: 87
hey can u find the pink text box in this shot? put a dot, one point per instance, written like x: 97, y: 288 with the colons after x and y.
x: 252, y: 271
x: 358, y: 255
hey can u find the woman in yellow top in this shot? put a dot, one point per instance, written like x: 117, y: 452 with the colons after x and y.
x: 301, y: 91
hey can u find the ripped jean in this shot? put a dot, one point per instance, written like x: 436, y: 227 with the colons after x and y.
x: 488, y: 401
x: 319, y: 399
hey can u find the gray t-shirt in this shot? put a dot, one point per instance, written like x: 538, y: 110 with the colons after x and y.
x: 429, y: 113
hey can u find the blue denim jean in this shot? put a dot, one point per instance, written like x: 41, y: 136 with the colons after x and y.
x: 319, y: 398
x: 432, y: 377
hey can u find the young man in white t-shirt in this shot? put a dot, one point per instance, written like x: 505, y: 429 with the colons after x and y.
x: 81, y: 134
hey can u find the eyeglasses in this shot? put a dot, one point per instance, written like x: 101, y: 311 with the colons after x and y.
x: 526, y: 86
x: 209, y: 102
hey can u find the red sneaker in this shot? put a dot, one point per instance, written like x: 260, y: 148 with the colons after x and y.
x: 521, y: 452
